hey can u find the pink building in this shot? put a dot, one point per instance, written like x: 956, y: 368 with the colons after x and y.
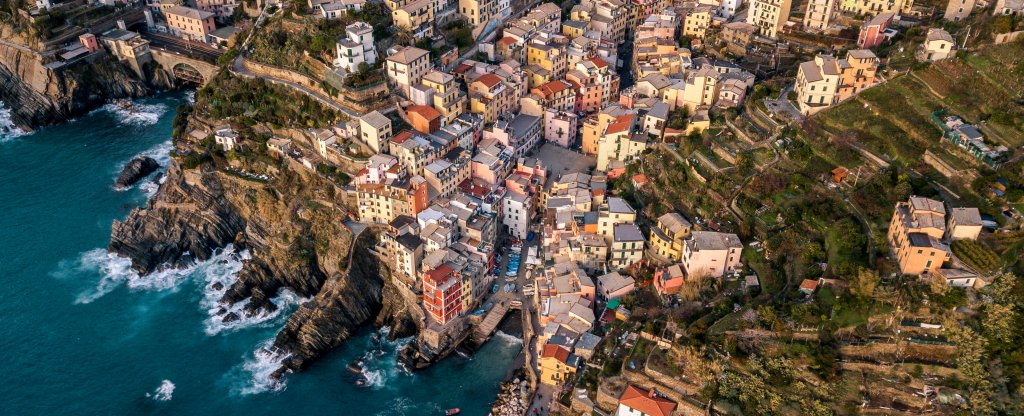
x: 88, y: 41
x: 668, y: 280
x: 492, y: 162
x: 872, y: 33
x: 560, y: 127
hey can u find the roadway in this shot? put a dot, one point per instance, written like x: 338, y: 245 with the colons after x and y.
x: 194, y: 50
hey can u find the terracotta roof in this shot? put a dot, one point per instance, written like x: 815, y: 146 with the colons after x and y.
x: 646, y: 402
x: 551, y: 88
x: 557, y: 352
x: 598, y: 62
x: 622, y: 123
x: 490, y: 80
x: 401, y: 137
x: 441, y: 273
x: 640, y: 179
x: 507, y: 40
x: 809, y: 284
x: 427, y: 112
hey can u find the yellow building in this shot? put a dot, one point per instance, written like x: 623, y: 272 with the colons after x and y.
x: 668, y: 235
x: 557, y: 365
x: 769, y: 16
x: 478, y: 12
x: 621, y: 141
x: 407, y: 67
x: 546, y: 59
x: 616, y: 211
x: 874, y: 7
x: 417, y: 16
x: 448, y: 97
x: 697, y: 22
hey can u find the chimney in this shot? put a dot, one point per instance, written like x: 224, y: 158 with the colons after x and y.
x: 121, y: 25
x: 651, y: 393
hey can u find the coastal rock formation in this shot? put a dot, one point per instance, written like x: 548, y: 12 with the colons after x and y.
x: 293, y: 226
x: 38, y: 94
x: 185, y: 221
x: 135, y: 170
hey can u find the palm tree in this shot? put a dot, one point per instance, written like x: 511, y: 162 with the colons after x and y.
x: 403, y: 35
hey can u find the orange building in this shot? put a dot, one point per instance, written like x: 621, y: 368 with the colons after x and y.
x: 424, y: 119
x: 858, y: 73
x: 915, y: 234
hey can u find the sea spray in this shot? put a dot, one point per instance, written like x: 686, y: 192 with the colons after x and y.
x: 511, y: 339
x: 163, y: 393
x: 8, y: 130
x: 137, y: 114
x: 259, y: 368
x: 116, y: 271
x: 218, y: 280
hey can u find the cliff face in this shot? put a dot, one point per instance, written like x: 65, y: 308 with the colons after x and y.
x: 293, y: 227
x: 39, y: 96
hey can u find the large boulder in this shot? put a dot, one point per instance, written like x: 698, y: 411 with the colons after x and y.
x: 138, y: 168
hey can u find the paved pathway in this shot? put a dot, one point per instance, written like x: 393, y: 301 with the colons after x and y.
x: 238, y: 67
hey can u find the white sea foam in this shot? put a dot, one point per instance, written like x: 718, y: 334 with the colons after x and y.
x: 190, y: 96
x: 116, y: 271
x: 510, y: 339
x: 8, y: 130
x: 260, y: 368
x: 224, y: 277
x: 161, y: 153
x: 149, y: 187
x: 162, y: 393
x: 379, y: 363
x: 138, y: 114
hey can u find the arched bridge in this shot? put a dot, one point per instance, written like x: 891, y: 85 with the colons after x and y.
x: 184, y: 68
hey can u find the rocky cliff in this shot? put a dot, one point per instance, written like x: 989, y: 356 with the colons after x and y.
x: 38, y: 95
x: 293, y: 226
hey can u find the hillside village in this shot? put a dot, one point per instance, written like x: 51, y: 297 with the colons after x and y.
x: 693, y: 207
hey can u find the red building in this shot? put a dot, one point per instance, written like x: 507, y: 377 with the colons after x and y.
x: 442, y: 294
x: 872, y: 33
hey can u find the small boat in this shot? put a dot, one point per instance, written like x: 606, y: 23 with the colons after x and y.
x: 450, y: 412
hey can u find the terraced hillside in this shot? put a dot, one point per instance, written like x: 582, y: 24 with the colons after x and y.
x: 986, y: 88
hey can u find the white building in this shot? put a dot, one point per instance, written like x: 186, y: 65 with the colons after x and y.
x: 356, y: 47
x: 226, y: 138
x: 711, y: 254
x: 518, y: 211
x: 819, y: 15
x: 728, y: 8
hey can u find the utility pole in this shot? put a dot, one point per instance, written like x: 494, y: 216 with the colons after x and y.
x: 964, y: 46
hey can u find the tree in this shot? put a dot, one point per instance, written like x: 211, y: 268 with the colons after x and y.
x: 999, y: 322
x: 863, y: 284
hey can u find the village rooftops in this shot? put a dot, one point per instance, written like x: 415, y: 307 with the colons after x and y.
x: 619, y: 206
x: 189, y: 12
x: 674, y: 222
x: 966, y: 216
x: 647, y: 402
x: 709, y: 240
x: 926, y: 241
x: 375, y: 119
x: 927, y: 204
x: 627, y: 232
x: 939, y: 34
x: 408, y: 55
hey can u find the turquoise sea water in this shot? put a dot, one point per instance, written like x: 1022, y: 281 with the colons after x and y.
x: 81, y: 334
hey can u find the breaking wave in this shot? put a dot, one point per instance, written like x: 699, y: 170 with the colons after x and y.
x: 137, y: 114
x: 510, y: 339
x: 8, y: 130
x: 260, y: 368
x: 218, y: 282
x: 162, y: 393
x: 116, y: 271
x: 161, y: 153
